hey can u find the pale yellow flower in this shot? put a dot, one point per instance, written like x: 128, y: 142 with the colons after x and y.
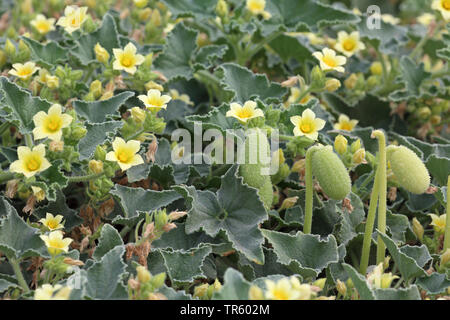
x: 30, y: 161
x: 244, y: 113
x: 39, y: 193
x: 295, y: 94
x: 73, y: 18
x: 52, y: 222
x: 55, y: 242
x: 42, y: 24
x: 52, y: 82
x: 377, y: 279
x: 344, y: 123
x: 50, y: 125
x: 307, y: 125
x: 426, y: 18
x: 305, y: 291
x: 388, y: 18
x: 140, y: 3
x: 125, y: 153
x: 349, y: 44
x: 127, y: 59
x: 23, y: 71
x: 314, y: 39
x: 49, y: 292
x: 154, y: 99
x: 183, y: 97
x: 329, y: 60
x: 438, y: 222
x: 257, y: 7
x: 281, y: 290
x: 443, y: 6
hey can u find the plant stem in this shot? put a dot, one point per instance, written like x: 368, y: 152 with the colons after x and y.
x: 369, y: 227
x: 382, y: 186
x: 258, y: 47
x: 447, y: 220
x: 430, y: 35
x: 28, y: 140
x: 18, y: 272
x: 4, y: 126
x: 6, y: 176
x: 304, y: 94
x: 84, y: 178
x: 307, y: 225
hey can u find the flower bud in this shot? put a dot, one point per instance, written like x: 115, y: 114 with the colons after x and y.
x: 255, y: 293
x: 355, y: 146
x: 39, y: 193
x: 359, y: 156
x: 340, y: 144
x: 445, y: 258
x: 417, y: 229
x: 435, y: 119
x: 78, y: 133
x: 350, y: 82
x: 376, y: 68
x: 341, y: 287
x: 222, y: 8
x: 320, y: 283
x: 332, y: 85
x: 175, y: 215
x: 10, y: 49
x: 318, y: 79
x: 158, y: 280
x: 408, y: 168
x: 424, y: 113
x: 138, y: 114
x: 140, y: 3
x: 143, y: 274
x: 288, y: 203
x: 3, y: 58
x: 52, y: 82
x: 331, y: 173
x: 96, y: 88
x: 155, y: 20
x: 161, y: 219
x: 96, y: 166
x: 100, y: 153
x: 200, y: 291
x: 56, y: 146
x: 101, y: 54
x: 145, y: 14
x: 153, y: 85
x: 372, y: 82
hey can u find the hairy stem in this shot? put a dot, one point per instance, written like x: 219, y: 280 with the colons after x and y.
x: 447, y: 222
x: 18, y: 272
x: 84, y: 178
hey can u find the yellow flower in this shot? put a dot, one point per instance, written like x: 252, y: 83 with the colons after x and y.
x: 125, y: 153
x: 38, y: 193
x: 344, y: 123
x: 426, y: 19
x: 51, y: 222
x: 329, y: 60
x: 55, y: 242
x: 387, y: 18
x: 349, y: 44
x: 443, y: 6
x: 438, y: 222
x: 73, y: 18
x: 244, y: 113
x: 52, y: 82
x: 30, y: 161
x: 47, y: 292
x: 127, y: 59
x: 281, y: 290
x: 376, y: 68
x: 377, y: 279
x: 295, y: 94
x: 359, y: 156
x: 101, y: 54
x: 304, y: 291
x: 42, y: 24
x: 307, y: 125
x: 340, y: 144
x: 154, y: 99
x: 153, y: 85
x: 23, y: 71
x: 50, y: 125
x: 140, y: 3
x: 257, y: 7
x: 183, y: 97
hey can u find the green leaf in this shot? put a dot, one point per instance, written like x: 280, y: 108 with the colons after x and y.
x: 59, y: 206
x: 235, y: 209
x: 136, y: 201
x: 97, y: 134
x: 172, y: 294
x: 288, y: 47
x: 185, y: 267
x: 435, y: 283
x: 54, y: 180
x: 410, y: 293
x: 109, y: 239
x: 423, y: 149
x: 199, y: 9
x: 215, y: 119
x: 104, y: 277
x: 17, y: 239
x: 106, y: 35
x: 20, y: 105
x: 98, y: 111
x: 407, y: 258
x: 6, y: 285
x: 349, y: 221
x: 439, y: 168
x: 235, y: 287
x: 49, y: 54
x: 305, y: 254
x: 175, y: 61
x: 241, y: 85
x: 207, y: 56
x: 360, y: 283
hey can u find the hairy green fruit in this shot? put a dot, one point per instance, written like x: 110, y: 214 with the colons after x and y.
x: 409, y: 170
x: 329, y: 170
x: 257, y: 150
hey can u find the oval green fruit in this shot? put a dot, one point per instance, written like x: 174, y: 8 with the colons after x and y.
x: 409, y: 170
x: 331, y: 173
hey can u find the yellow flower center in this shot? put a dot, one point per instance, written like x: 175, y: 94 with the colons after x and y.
x: 446, y: 4
x: 329, y: 61
x: 43, y: 26
x: 349, y: 45
x: 54, y: 123
x: 280, y: 294
x: 306, y: 127
x: 52, y: 224
x: 25, y: 71
x: 346, y: 126
x: 126, y: 61
x: 123, y: 156
x: 56, y: 243
x: 244, y: 113
x: 155, y: 102
x: 32, y: 164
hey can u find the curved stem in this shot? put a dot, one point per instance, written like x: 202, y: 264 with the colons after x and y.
x: 28, y: 140
x: 85, y: 178
x: 447, y: 222
x: 382, y: 186
x: 18, y: 272
x: 307, y: 224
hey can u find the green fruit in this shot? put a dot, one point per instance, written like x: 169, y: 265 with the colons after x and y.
x: 409, y: 170
x: 266, y: 194
x: 331, y: 173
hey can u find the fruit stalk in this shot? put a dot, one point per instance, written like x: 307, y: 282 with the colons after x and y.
x: 309, y: 190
